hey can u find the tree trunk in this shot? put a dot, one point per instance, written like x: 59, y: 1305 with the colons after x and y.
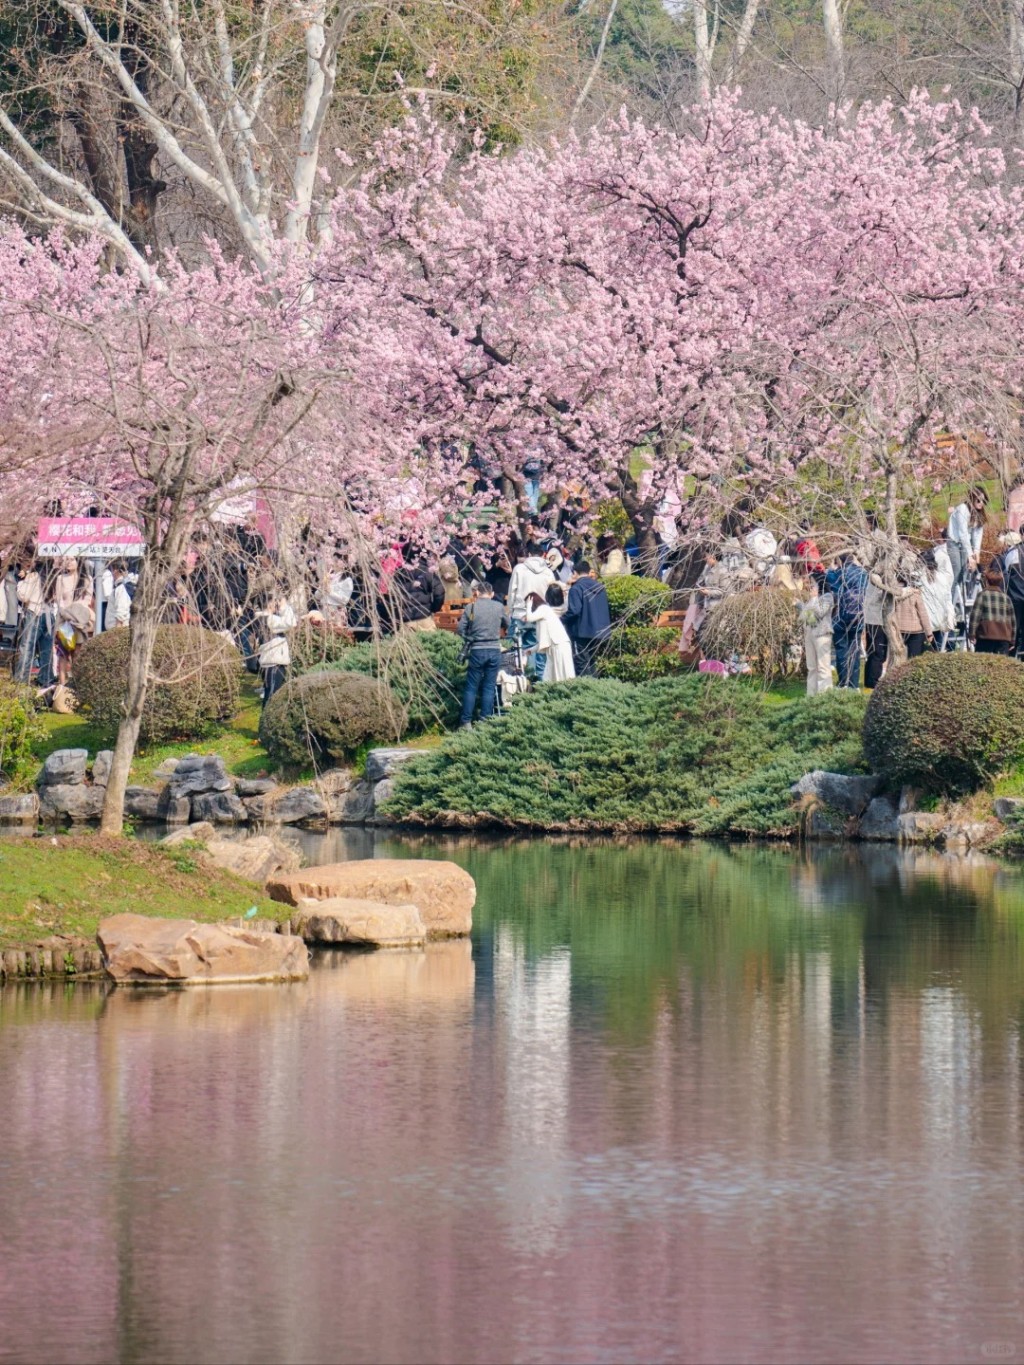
x: 144, y: 621
x: 1016, y: 8
x: 835, y: 61
x: 704, y: 44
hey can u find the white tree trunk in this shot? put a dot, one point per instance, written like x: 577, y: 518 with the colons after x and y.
x: 741, y: 42
x: 1016, y: 16
x: 321, y: 72
x: 704, y: 42
x: 835, y: 58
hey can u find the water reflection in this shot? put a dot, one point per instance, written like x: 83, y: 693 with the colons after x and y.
x: 675, y: 1103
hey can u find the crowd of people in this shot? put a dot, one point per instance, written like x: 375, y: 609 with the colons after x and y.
x: 940, y: 596
x: 537, y: 608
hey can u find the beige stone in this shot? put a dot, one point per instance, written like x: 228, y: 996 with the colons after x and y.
x: 256, y: 859
x: 190, y: 834
x: 442, y: 891
x: 161, y: 951
x: 343, y: 920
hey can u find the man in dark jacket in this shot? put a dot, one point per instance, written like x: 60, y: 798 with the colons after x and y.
x: 848, y: 584
x: 587, y: 619
x: 416, y: 592
x: 480, y: 627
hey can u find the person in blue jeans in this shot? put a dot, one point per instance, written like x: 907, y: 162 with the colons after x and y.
x: 847, y: 582
x: 481, y: 625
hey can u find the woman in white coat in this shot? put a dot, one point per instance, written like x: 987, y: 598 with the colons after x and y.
x: 936, y: 585
x: 552, y: 637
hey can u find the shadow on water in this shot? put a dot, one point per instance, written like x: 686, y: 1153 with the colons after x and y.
x: 674, y: 1101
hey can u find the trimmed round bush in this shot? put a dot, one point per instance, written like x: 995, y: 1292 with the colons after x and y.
x: 759, y: 625
x: 638, y: 601
x: 325, y: 717
x: 947, y: 722
x: 425, y: 670
x: 195, y: 676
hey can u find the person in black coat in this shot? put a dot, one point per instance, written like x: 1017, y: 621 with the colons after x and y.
x: 587, y: 619
x: 416, y: 592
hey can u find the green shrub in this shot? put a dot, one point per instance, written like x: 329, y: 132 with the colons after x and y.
x: 947, y: 722
x: 637, y: 654
x: 20, y: 730
x: 313, y: 646
x: 325, y: 717
x: 707, y: 755
x: 610, y: 517
x: 195, y: 677
x: 424, y: 669
x: 760, y: 625
x: 637, y: 600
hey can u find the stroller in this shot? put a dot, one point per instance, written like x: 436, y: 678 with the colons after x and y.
x: 512, y: 679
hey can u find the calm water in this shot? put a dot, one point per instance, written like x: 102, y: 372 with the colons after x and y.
x: 673, y: 1103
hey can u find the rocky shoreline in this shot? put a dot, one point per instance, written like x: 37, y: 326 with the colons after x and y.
x: 198, y: 788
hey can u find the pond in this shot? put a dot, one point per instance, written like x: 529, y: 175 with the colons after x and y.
x: 673, y: 1102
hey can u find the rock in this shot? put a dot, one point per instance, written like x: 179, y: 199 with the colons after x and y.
x: 352, y: 807
x: 382, y: 792
x: 920, y: 827
x: 175, y: 810
x: 64, y: 768
x: 1006, y: 807
x: 344, y: 920
x: 255, y: 786
x: 335, y: 781
x: 198, y: 833
x: 143, y: 803
x: 101, y: 767
x: 288, y: 807
x: 910, y: 799
x: 75, y: 802
x: 158, y: 951
x: 442, y: 891
x: 256, y: 859
x: 168, y: 767
x: 381, y: 763
x: 847, y: 794
x: 19, y: 810
x: 880, y: 821
x: 220, y: 808
x: 968, y: 834
x: 199, y: 773
x: 825, y: 822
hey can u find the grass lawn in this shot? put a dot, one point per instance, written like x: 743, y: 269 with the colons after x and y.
x: 66, y: 885
x: 237, y: 742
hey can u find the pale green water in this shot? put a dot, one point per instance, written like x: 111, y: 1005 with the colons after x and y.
x: 674, y: 1103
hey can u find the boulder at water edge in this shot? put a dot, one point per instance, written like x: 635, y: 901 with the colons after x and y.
x: 255, y: 859
x: 144, y: 951
x: 442, y: 891
x: 370, y: 923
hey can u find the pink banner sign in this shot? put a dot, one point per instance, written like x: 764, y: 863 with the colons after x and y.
x: 88, y: 538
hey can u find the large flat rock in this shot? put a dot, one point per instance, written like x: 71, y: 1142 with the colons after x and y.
x: 256, y: 859
x: 442, y: 891
x: 369, y: 923
x: 140, y: 950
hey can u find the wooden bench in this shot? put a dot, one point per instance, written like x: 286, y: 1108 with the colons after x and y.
x: 671, y: 620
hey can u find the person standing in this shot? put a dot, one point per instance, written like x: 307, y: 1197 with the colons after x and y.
x: 587, y: 619
x: 848, y: 583
x: 612, y: 557
x: 937, y: 592
x: 552, y: 637
x: 911, y: 619
x: 964, y: 533
x: 531, y: 575
x: 993, y: 624
x: 877, y: 642
x: 816, y: 618
x: 480, y: 628
x: 275, y: 654
x: 1013, y: 574
x: 416, y: 592
x: 32, y: 601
